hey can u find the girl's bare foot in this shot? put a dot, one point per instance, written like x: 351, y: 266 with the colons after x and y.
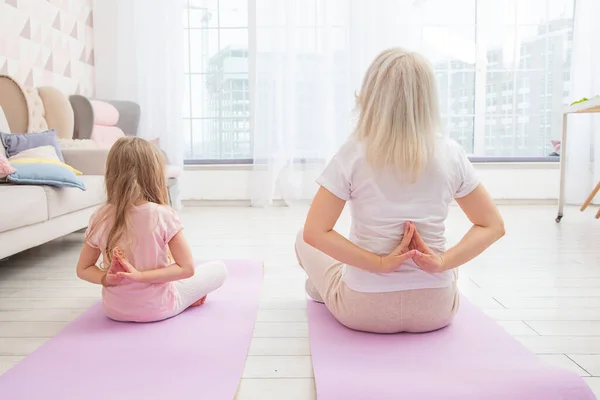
x: 199, y: 302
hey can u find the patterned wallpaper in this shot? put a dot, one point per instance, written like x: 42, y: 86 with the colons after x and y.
x: 48, y: 43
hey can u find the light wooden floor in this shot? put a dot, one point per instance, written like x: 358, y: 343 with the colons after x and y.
x: 541, y: 282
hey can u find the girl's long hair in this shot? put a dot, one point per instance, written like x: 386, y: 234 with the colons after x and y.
x: 135, y: 174
x: 399, y: 115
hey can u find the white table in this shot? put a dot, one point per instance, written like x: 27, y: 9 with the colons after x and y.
x: 590, y: 106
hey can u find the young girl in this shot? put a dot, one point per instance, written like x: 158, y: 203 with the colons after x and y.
x: 151, y: 274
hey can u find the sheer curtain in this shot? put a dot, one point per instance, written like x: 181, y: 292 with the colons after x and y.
x: 583, y: 146
x: 139, y: 57
x: 309, y: 61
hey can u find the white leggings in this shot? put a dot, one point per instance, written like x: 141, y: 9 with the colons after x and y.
x: 207, y: 278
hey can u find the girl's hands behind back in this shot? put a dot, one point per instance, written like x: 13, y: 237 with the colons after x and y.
x: 111, y: 278
x: 128, y: 271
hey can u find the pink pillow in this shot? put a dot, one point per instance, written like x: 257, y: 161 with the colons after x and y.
x: 104, y: 113
x: 5, y: 167
x: 106, y: 136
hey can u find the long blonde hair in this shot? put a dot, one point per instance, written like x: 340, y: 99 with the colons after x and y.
x: 398, y: 113
x: 135, y: 173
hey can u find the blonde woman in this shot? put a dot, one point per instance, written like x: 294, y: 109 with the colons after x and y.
x: 151, y: 274
x: 399, y: 175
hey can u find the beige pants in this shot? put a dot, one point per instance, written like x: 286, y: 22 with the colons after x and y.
x: 415, y: 311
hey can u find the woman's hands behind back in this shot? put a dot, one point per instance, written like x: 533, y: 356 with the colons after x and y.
x: 412, y: 246
x: 400, y: 254
x: 424, y: 257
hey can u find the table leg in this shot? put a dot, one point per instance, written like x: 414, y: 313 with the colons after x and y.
x: 563, y: 169
x: 590, y: 198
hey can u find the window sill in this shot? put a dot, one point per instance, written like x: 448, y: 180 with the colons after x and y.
x: 517, y: 165
x: 217, y: 167
x: 496, y: 165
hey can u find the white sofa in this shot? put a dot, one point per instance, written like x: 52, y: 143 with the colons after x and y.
x: 33, y: 215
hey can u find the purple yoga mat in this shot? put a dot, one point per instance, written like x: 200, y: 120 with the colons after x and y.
x: 199, y: 354
x: 472, y: 359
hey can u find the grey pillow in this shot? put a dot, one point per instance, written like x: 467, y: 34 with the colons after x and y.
x: 15, y: 143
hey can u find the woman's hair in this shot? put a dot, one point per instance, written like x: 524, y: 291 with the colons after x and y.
x: 135, y: 173
x: 398, y: 113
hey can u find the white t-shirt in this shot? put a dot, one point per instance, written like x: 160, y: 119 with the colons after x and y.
x: 380, y: 206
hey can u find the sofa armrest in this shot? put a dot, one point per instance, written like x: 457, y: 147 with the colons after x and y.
x: 88, y: 161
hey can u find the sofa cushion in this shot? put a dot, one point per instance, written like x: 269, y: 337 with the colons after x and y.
x: 47, y: 152
x: 30, y: 172
x: 104, y: 113
x: 106, y: 136
x: 37, y: 112
x: 22, y: 206
x: 5, y: 167
x: 65, y: 200
x: 90, y: 161
x: 3, y: 122
x: 16, y: 143
x: 59, y: 113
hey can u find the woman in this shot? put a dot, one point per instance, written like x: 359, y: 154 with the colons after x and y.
x: 400, y: 176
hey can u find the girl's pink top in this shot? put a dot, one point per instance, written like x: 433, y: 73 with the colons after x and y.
x: 152, y: 227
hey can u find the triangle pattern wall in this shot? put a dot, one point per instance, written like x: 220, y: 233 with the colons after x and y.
x: 48, y: 43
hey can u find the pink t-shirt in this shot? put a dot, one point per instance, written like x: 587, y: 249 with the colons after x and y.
x: 152, y: 228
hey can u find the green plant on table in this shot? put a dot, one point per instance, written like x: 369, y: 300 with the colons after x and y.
x: 583, y: 100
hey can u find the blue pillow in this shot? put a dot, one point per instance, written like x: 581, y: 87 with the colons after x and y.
x: 44, y: 174
x: 18, y: 142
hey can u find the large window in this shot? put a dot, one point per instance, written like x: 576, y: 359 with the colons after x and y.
x: 217, y: 105
x: 503, y: 97
x: 502, y: 69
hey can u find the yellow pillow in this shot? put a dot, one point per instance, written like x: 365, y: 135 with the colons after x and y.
x: 43, y: 161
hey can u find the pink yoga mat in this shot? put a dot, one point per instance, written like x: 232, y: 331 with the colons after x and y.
x: 199, y: 354
x: 472, y: 359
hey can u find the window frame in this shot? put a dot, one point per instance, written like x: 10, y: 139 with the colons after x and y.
x: 480, y: 102
x: 482, y: 65
x: 251, y: 28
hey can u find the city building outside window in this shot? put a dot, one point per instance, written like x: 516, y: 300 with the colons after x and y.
x: 494, y: 107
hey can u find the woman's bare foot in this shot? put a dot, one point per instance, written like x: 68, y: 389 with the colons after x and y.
x: 312, y: 292
x: 199, y: 302
x: 309, y: 287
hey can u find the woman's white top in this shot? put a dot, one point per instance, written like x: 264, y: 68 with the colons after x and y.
x: 380, y: 205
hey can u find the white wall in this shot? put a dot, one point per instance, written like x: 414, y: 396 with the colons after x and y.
x: 48, y: 43
x: 528, y: 182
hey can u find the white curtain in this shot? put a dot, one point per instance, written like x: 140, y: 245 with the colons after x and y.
x: 310, y: 60
x: 583, y: 144
x: 139, y: 57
